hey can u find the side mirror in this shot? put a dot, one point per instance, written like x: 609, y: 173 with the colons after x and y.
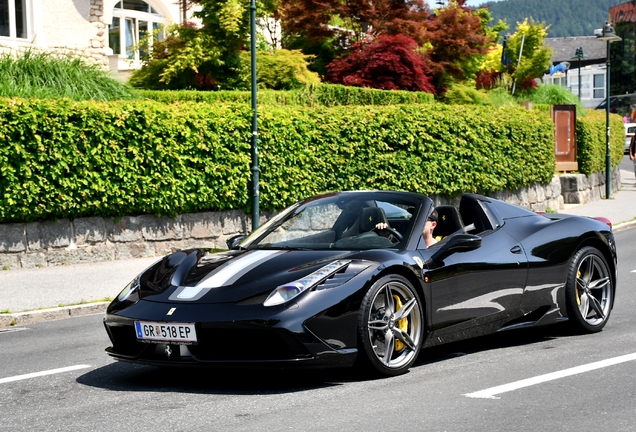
x: 455, y: 244
x: 232, y: 242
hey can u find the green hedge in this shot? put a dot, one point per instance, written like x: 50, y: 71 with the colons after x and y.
x: 60, y: 158
x: 431, y: 149
x: 591, y: 141
x: 311, y: 95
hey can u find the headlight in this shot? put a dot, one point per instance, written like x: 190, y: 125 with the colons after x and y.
x: 130, y: 292
x: 288, y: 291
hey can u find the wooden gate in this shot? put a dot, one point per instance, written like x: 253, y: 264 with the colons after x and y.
x: 564, y: 119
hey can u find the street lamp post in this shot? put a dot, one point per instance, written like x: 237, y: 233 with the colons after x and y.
x: 607, y: 34
x: 579, y: 55
x: 254, y: 147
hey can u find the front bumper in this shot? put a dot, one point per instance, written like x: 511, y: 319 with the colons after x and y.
x: 283, y: 340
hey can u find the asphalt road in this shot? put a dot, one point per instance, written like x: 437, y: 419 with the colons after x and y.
x: 471, y: 385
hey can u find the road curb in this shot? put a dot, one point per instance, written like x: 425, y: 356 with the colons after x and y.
x: 42, y: 315
x: 624, y: 225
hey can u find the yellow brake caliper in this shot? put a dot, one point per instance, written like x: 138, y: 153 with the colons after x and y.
x: 576, y: 288
x: 402, y: 324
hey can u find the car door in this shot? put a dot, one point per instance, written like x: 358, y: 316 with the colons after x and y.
x: 478, y: 287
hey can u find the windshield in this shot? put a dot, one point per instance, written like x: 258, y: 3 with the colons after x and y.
x: 342, y: 221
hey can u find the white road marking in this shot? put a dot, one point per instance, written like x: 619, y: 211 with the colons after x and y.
x: 43, y: 373
x: 491, y: 392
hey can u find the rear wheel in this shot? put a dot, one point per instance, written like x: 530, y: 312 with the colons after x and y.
x: 589, y: 291
x: 391, y: 325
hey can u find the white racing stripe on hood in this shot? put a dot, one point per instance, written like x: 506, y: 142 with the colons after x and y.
x: 236, y: 268
x: 226, y: 274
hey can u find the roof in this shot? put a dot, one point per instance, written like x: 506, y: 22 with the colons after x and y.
x: 565, y: 48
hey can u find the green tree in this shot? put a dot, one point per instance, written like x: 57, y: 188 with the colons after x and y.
x: 326, y: 29
x: 459, y: 39
x: 214, y: 56
x: 185, y: 58
x: 535, y: 57
x: 282, y: 69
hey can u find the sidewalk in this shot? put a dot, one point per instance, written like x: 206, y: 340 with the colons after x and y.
x: 620, y: 209
x: 64, y: 291
x: 77, y: 289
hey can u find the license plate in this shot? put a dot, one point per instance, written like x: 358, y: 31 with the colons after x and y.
x: 177, y: 333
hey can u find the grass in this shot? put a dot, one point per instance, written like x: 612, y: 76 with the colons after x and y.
x: 552, y: 94
x: 41, y: 75
x: 83, y: 302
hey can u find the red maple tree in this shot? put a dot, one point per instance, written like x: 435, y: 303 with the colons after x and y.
x: 311, y: 18
x: 458, y: 35
x: 387, y: 63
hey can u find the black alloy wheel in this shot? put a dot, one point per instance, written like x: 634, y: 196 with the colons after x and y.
x: 390, y: 326
x: 589, y: 291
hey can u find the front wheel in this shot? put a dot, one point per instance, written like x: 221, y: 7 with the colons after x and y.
x: 391, y: 325
x: 589, y: 291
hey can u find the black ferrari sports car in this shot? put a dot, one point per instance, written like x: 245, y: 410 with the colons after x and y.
x: 320, y: 285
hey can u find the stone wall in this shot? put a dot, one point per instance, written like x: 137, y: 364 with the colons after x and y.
x: 580, y: 189
x: 537, y: 198
x: 41, y: 244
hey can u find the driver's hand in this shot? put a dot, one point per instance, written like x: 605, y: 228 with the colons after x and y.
x: 381, y: 226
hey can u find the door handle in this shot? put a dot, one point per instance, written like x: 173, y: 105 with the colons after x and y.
x: 516, y: 249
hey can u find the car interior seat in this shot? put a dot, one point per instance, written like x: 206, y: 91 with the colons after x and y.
x: 448, y: 221
x: 472, y: 213
x: 370, y: 217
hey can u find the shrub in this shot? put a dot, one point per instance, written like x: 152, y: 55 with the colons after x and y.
x: 500, y: 96
x: 460, y: 94
x: 65, y: 159
x: 388, y: 63
x: 591, y: 144
x: 310, y: 95
x: 552, y: 94
x: 282, y: 69
x: 41, y: 75
x: 185, y: 58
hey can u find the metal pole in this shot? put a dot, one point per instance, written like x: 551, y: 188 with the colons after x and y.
x: 607, y: 125
x: 255, y: 170
x: 514, y: 82
x: 579, y: 79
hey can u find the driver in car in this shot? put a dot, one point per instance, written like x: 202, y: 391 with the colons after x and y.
x: 427, y: 232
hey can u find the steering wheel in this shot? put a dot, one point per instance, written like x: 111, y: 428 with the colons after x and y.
x: 393, y: 232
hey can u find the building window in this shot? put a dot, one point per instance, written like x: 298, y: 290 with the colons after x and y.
x: 134, y: 22
x: 14, y: 18
x: 557, y: 80
x: 599, y: 86
x: 585, y: 86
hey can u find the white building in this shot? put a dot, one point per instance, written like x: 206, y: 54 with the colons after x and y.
x: 104, y: 31
x: 592, y: 83
x: 592, y: 71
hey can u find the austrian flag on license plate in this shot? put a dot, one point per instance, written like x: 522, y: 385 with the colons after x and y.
x: 180, y: 333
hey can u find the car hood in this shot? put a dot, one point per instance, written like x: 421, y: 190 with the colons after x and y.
x: 204, y: 277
